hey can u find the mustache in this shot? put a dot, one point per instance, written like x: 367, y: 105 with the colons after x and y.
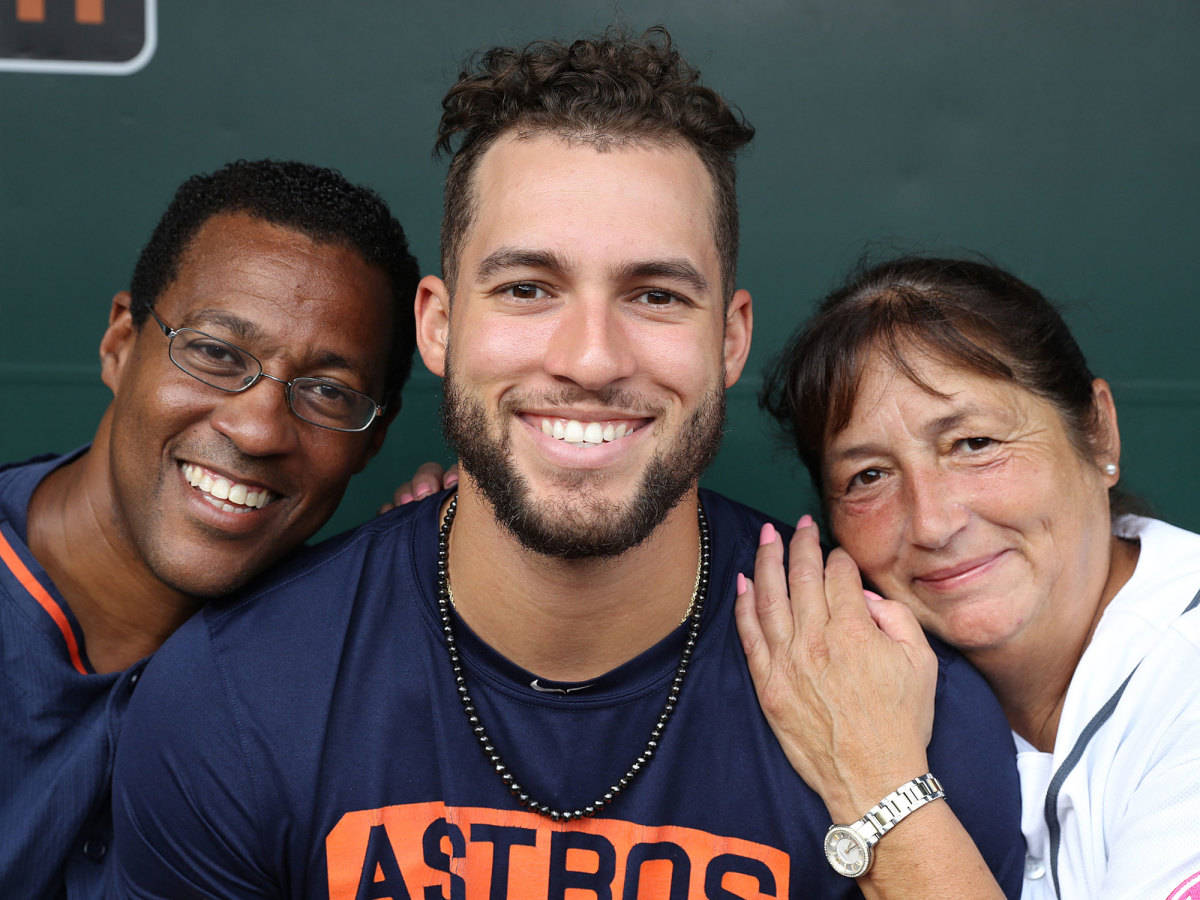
x: 615, y: 398
x: 222, y: 453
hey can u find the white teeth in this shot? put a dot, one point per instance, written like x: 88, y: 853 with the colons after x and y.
x: 241, y: 498
x: 580, y: 433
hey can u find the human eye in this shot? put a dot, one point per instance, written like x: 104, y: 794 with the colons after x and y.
x: 211, y: 355
x: 865, y: 479
x: 656, y: 298
x: 524, y: 291
x: 327, y: 395
x: 976, y: 444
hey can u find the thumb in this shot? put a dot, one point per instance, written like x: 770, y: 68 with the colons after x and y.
x: 894, y: 619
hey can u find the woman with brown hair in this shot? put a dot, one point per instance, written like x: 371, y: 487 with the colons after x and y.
x: 966, y: 460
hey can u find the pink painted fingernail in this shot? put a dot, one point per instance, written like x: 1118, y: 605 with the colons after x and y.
x: 741, y: 584
x: 805, y: 521
x: 871, y: 595
x: 450, y: 480
x: 767, y: 535
x: 406, y: 498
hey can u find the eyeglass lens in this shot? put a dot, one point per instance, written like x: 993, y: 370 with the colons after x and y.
x: 230, y: 368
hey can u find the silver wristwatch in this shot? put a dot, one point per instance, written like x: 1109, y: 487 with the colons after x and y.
x: 849, y: 848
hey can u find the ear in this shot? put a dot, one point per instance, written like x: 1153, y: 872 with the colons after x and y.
x: 1107, y: 435
x: 116, y: 346
x: 739, y: 325
x: 432, y: 310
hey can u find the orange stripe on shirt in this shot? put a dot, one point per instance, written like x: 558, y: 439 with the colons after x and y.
x: 42, y: 596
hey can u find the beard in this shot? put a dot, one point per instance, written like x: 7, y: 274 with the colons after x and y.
x: 592, y: 525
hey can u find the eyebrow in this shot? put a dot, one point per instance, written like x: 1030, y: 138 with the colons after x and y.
x: 934, y: 427
x: 246, y: 331
x: 517, y: 258
x: 680, y: 270
x: 674, y: 269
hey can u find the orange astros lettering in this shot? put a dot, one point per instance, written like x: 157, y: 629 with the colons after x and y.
x: 87, y: 12
x: 420, y: 850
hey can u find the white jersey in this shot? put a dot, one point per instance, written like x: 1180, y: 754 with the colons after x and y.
x: 1114, y: 812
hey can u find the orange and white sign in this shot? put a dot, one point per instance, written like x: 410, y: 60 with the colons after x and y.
x: 81, y: 37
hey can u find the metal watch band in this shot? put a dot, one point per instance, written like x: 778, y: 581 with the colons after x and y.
x: 907, y: 798
x: 849, y: 848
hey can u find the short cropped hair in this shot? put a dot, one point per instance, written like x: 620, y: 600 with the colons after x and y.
x: 314, y: 201
x: 603, y: 91
x: 965, y: 313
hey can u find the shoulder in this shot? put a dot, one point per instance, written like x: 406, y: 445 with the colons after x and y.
x: 735, y: 526
x: 285, y: 635
x: 19, y: 479
x: 389, y: 546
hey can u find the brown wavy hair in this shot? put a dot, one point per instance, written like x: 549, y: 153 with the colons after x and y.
x: 967, y: 313
x: 605, y: 91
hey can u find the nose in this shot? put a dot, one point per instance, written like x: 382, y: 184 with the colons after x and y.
x: 936, y: 512
x: 258, y: 420
x: 589, y: 345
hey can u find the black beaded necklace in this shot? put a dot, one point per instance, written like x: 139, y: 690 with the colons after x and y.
x: 445, y: 602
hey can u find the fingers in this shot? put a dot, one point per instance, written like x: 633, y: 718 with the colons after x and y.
x: 754, y: 644
x: 427, y: 480
x: 771, y: 604
x: 806, y: 576
x: 895, y: 620
x: 844, y: 589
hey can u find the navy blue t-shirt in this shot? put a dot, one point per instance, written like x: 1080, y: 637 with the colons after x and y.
x: 308, y: 741
x: 58, y: 720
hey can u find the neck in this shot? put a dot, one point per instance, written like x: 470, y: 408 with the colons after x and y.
x: 1031, y: 674
x: 125, y: 612
x: 570, y: 619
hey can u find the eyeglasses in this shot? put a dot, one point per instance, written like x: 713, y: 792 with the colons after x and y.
x: 229, y: 368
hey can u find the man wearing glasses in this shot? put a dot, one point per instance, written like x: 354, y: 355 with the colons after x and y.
x: 255, y: 365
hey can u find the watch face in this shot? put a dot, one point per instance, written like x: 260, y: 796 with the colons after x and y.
x: 847, y: 852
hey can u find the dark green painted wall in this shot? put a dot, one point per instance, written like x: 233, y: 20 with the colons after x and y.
x: 1060, y: 138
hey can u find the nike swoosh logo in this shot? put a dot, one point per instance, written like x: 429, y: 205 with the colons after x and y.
x: 542, y: 689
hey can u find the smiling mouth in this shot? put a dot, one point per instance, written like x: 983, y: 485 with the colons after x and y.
x: 580, y: 433
x: 950, y: 574
x: 226, y: 495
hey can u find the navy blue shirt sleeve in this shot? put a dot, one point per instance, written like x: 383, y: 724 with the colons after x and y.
x: 185, y: 802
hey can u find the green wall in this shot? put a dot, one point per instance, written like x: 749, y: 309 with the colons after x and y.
x: 1061, y: 139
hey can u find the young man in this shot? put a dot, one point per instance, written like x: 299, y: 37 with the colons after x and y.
x: 535, y: 685
x: 254, y: 365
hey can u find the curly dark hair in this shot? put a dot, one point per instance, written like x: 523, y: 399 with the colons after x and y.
x: 603, y: 91
x: 967, y: 313
x: 315, y: 201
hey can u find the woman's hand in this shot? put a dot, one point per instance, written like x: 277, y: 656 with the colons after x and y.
x: 845, y: 678
x: 429, y: 478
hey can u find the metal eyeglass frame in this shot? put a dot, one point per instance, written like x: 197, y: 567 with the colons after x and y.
x: 172, y: 333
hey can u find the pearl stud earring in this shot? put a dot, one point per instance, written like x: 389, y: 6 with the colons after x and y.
x: 1110, y: 469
